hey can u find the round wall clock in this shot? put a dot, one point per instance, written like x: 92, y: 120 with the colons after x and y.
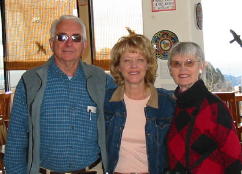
x: 163, y: 41
x: 199, y: 16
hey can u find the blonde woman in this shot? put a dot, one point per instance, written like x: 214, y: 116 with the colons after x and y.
x: 137, y: 114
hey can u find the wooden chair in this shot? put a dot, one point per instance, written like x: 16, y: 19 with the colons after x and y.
x: 230, y: 101
x: 3, y: 139
x: 5, y: 104
x: 238, y: 99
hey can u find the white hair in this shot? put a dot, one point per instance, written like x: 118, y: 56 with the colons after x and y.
x: 56, y: 22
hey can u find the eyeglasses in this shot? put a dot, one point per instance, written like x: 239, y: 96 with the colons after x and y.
x: 187, y: 63
x: 65, y: 37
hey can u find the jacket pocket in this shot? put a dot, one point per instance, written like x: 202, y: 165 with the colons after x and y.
x: 163, y: 122
x: 108, y: 116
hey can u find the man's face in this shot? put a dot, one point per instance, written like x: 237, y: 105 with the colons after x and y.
x: 68, y: 50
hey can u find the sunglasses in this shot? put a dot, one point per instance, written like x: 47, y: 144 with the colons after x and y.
x: 187, y: 63
x: 65, y: 37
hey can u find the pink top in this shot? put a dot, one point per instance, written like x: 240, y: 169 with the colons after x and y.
x: 132, y: 154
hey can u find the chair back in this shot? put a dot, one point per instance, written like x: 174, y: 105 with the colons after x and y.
x: 5, y: 104
x: 229, y: 99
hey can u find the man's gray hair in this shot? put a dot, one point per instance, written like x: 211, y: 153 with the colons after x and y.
x: 56, y: 22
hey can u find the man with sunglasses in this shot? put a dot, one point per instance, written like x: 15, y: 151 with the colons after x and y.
x: 57, y: 123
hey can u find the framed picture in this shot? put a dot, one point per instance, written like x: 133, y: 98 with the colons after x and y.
x: 163, y: 41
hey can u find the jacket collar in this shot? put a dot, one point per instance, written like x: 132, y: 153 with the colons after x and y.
x: 118, y: 96
x: 192, y: 96
x: 88, y: 71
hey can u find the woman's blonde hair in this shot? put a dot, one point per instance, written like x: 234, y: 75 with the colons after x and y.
x: 133, y: 43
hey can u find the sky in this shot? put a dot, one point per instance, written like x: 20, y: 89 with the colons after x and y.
x: 219, y: 16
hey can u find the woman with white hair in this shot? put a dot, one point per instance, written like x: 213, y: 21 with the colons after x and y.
x: 202, y: 138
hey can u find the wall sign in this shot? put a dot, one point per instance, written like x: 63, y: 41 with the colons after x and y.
x: 163, y: 5
x: 163, y: 41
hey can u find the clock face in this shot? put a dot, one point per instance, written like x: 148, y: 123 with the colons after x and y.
x: 199, y: 16
x: 163, y: 41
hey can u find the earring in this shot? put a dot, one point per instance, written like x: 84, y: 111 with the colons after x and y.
x: 200, y: 71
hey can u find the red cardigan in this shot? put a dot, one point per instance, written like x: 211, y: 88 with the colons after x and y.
x: 202, y: 138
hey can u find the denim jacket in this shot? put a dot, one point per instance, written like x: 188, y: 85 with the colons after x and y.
x: 158, y: 113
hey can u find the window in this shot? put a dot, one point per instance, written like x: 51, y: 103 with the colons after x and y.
x: 27, y: 24
x: 224, y: 58
x: 110, y: 19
